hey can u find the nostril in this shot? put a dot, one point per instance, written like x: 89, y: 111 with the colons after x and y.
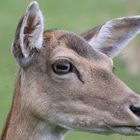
x: 135, y: 109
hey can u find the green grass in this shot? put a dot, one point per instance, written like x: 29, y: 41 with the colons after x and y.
x: 72, y: 15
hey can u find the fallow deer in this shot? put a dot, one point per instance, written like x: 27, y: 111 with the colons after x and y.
x: 65, y: 81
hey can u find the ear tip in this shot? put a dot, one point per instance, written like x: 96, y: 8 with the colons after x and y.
x: 33, y: 6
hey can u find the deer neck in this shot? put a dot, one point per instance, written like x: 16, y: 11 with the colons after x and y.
x: 22, y: 125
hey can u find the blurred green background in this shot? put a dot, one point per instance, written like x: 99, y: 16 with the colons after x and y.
x: 72, y: 15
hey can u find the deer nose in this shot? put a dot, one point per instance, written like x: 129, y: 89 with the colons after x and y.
x: 135, y: 109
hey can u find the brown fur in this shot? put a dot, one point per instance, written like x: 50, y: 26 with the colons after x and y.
x: 100, y: 75
x: 15, y: 107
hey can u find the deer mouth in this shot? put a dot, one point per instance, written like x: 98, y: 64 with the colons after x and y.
x: 126, y: 130
x: 123, y: 130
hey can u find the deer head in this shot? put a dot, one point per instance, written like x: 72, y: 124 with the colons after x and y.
x: 67, y: 79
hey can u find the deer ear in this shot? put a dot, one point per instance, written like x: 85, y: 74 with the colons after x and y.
x: 29, y: 33
x: 114, y: 35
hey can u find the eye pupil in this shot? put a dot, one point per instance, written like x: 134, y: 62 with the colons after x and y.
x: 62, y: 67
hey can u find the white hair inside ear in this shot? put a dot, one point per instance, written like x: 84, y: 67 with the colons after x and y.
x: 32, y: 28
x: 114, y: 35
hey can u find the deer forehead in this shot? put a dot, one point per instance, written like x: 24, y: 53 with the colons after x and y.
x: 67, y: 44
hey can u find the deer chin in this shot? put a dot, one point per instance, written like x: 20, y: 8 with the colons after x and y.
x: 123, y: 130
x: 126, y: 130
x: 101, y: 126
x: 106, y: 130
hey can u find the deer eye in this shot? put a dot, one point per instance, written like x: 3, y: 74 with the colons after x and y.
x: 62, y: 67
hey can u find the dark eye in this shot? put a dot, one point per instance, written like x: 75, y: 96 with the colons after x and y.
x: 62, y: 67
